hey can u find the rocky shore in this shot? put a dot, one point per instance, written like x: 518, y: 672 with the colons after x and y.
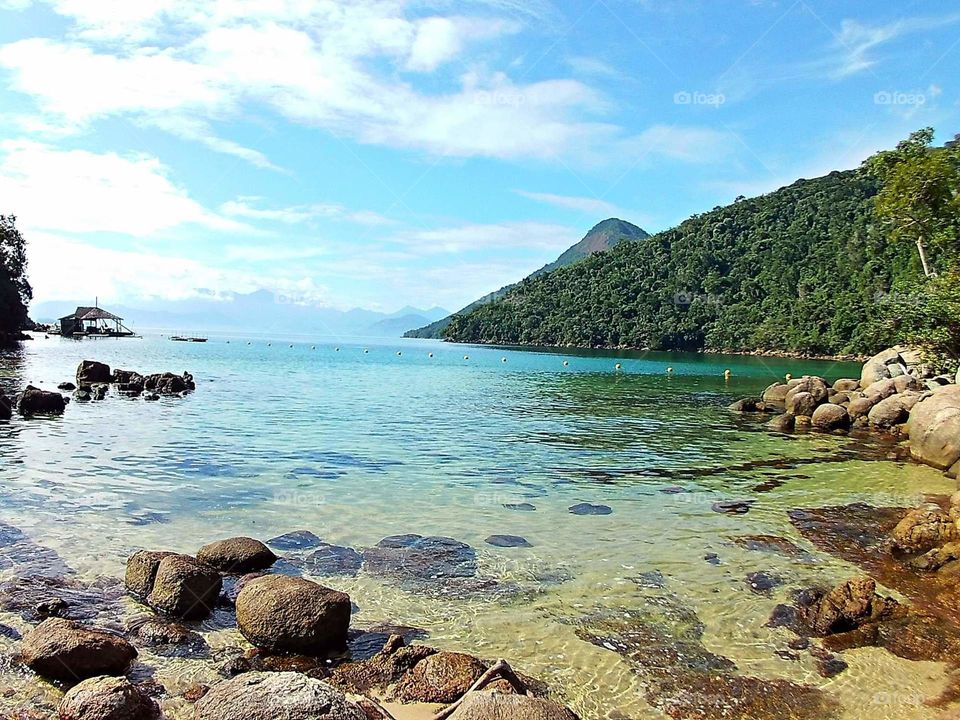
x: 896, y: 394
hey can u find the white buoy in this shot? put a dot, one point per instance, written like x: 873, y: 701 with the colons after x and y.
x: 566, y: 363
x: 399, y: 353
x: 430, y: 355
x: 503, y: 359
x: 670, y: 370
x: 337, y: 349
x: 466, y: 357
x: 618, y: 366
x: 365, y: 351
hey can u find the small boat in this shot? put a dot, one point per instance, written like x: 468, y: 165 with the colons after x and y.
x: 183, y: 338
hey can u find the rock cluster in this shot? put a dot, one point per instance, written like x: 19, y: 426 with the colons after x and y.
x: 895, y: 394
x: 34, y: 401
x: 94, y: 379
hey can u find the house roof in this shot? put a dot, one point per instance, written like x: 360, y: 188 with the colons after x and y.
x: 91, y: 313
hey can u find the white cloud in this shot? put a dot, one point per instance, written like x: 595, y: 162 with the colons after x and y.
x: 85, y: 192
x: 246, y: 208
x: 686, y: 144
x: 856, y: 41
x: 588, y: 205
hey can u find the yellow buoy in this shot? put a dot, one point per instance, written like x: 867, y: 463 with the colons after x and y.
x: 727, y: 374
x: 788, y: 377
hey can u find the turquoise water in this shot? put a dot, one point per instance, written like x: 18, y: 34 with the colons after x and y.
x: 357, y: 441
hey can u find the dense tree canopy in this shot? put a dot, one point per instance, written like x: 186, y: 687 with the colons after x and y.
x: 801, y: 269
x: 15, y: 292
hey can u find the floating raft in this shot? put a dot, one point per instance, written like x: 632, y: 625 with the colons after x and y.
x: 182, y: 338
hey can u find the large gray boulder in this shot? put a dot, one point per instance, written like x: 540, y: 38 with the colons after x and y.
x: 237, y: 556
x: 64, y: 650
x: 934, y: 428
x: 497, y: 706
x: 107, y: 698
x: 801, y: 403
x: 893, y: 410
x: 279, y: 613
x: 776, y: 394
x: 184, y: 587
x: 876, y: 368
x: 829, y: 417
x: 275, y: 696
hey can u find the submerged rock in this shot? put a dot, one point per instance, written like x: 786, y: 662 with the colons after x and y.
x: 762, y: 582
x: 64, y: 650
x: 169, y: 639
x: 521, y: 507
x: 507, y: 541
x: 237, y: 555
x: 771, y: 544
x: 288, y: 614
x: 732, y: 507
x: 590, y: 509
x: 416, y: 558
x: 270, y: 696
x: 333, y: 560
x: 107, y: 698
x: 383, y: 669
x: 845, y: 607
x: 296, y: 540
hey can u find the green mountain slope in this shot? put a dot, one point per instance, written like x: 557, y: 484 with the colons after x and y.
x: 602, y: 236
x: 800, y: 269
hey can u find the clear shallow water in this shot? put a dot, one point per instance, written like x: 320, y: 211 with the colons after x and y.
x: 359, y: 443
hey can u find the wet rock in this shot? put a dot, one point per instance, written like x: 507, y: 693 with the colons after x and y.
x: 924, y: 528
x: 296, y: 540
x: 845, y: 607
x: 712, y: 558
x: 107, y: 698
x: 34, y: 401
x: 507, y: 541
x: 782, y: 423
x: 490, y: 705
x: 590, y: 509
x: 830, y: 665
x: 37, y: 597
x: 128, y: 382
x: 732, y: 507
x: 762, y: 582
x: 771, y: 544
x: 90, y: 372
x: 64, y: 650
x: 366, y: 643
x: 829, y: 417
x: 169, y: 384
x: 776, y: 394
x: 66, y: 386
x: 169, y: 639
x: 237, y: 556
x: 440, y: 678
x: 8, y: 632
x: 521, y: 507
x: 752, y: 404
x: 100, y: 391
x: 934, y: 428
x: 860, y: 407
x: 935, y: 559
x: 424, y: 558
x: 142, y: 571
x: 184, y: 587
x: 334, y: 560
x: 383, y: 669
x: 287, y: 614
x: 652, y: 579
x: 269, y: 696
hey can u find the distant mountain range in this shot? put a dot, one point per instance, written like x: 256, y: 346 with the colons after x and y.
x: 260, y: 311
x: 603, y: 236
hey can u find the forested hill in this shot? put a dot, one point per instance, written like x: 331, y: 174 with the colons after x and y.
x: 602, y: 236
x: 801, y: 269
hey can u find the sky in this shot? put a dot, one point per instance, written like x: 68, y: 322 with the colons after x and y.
x: 346, y: 153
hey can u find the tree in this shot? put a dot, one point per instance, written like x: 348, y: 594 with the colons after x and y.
x: 918, y: 200
x: 928, y: 317
x: 15, y: 291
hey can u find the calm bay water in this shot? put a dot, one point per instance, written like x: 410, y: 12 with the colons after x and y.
x: 354, y: 442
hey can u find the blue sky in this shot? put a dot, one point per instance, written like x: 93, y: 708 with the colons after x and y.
x: 378, y: 154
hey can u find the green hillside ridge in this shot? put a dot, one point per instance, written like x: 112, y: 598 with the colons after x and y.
x: 804, y: 269
x: 601, y: 237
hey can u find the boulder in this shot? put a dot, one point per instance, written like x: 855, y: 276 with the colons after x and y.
x: 279, y: 613
x: 934, y: 428
x: 237, y: 556
x: 817, y: 387
x: 142, y: 570
x: 107, y: 698
x: 801, y: 403
x: 128, y: 381
x: 881, y: 389
x: 893, y: 410
x: 64, y: 650
x: 271, y: 696
x: 169, y: 384
x: 66, y: 386
x: 34, y: 401
x: 846, y: 385
x: 830, y: 417
x: 924, y: 528
x: 776, y: 394
x: 878, y: 367
x: 782, y: 423
x: 440, y: 678
x: 184, y: 587
x: 90, y: 372
x: 846, y: 607
x: 860, y: 407
x: 906, y: 383
x: 752, y: 404
x: 497, y: 706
